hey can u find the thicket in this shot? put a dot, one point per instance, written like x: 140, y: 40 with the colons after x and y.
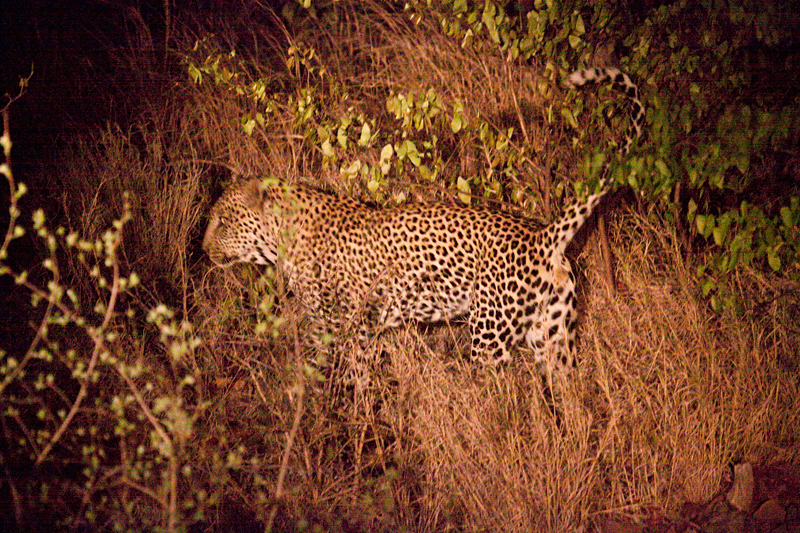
x: 157, y: 393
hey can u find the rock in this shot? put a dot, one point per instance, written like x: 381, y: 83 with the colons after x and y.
x: 733, y: 522
x: 770, y: 511
x: 741, y: 494
x: 612, y: 525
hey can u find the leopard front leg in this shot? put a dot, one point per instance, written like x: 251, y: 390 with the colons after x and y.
x: 343, y: 327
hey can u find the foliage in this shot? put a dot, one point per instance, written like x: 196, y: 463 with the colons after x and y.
x: 43, y: 378
x: 717, y: 139
x: 412, y: 147
x: 726, y: 141
x: 144, y: 426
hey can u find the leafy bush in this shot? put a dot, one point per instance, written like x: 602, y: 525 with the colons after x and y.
x: 155, y: 392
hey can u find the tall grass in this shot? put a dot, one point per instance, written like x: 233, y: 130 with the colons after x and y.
x: 666, y: 396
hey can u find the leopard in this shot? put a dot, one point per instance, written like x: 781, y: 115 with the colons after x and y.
x: 355, y: 264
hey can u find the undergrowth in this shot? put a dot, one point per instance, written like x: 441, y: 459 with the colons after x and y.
x: 150, y: 391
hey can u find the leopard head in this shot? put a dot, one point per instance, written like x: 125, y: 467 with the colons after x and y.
x: 244, y: 226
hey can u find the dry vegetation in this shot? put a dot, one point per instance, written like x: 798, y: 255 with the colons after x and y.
x: 667, y: 396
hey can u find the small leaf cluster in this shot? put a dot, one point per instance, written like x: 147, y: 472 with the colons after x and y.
x: 548, y: 27
x: 102, y: 381
x: 412, y: 133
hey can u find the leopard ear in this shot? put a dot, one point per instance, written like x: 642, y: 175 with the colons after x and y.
x: 253, y: 194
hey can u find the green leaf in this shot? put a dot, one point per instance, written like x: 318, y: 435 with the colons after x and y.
x: 596, y: 164
x: 580, y: 27
x: 742, y: 242
x: 719, y: 235
x: 408, y: 150
x: 569, y: 117
x: 465, y: 191
x: 703, y: 226
x: 574, y: 41
x: 786, y: 217
x: 720, y: 232
x: 386, y: 159
x: 327, y: 149
x: 248, y: 124
x: 774, y: 261
x: 425, y: 172
x: 691, y: 210
x: 365, y: 135
x: 353, y: 169
x: 457, y: 123
x: 195, y: 74
x: 466, y: 42
x: 341, y: 136
x: 662, y: 168
x: 708, y: 286
x: 694, y: 175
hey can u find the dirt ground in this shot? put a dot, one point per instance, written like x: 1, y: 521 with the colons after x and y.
x: 775, y: 508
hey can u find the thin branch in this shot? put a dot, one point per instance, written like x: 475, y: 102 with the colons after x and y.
x: 172, y: 503
x: 13, y: 210
x: 99, y: 346
x: 17, y: 372
x: 298, y: 415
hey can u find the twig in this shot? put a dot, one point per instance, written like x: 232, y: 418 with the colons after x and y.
x: 13, y: 210
x: 16, y: 497
x: 172, y: 503
x: 99, y: 346
x: 605, y: 252
x: 298, y: 415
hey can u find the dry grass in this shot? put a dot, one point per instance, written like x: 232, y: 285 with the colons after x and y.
x: 667, y: 394
x: 685, y: 392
